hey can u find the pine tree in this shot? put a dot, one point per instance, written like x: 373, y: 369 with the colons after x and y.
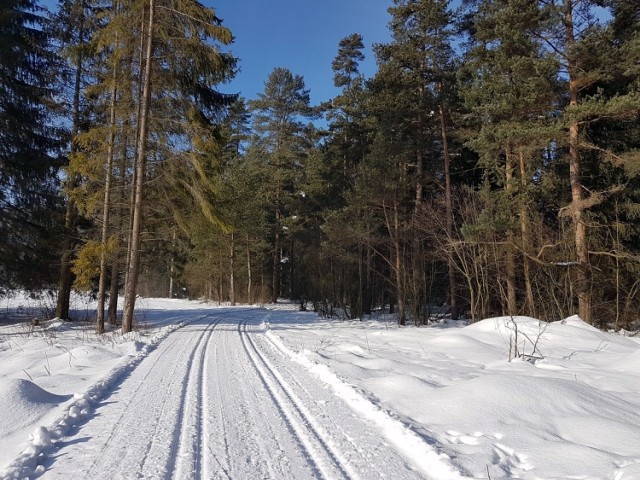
x: 345, y: 112
x: 333, y: 176
x: 278, y: 115
x: 408, y: 101
x: 609, y: 116
x: 588, y: 56
x: 510, y: 90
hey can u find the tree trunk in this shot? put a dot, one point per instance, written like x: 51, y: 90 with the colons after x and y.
x: 136, y: 149
x: 369, y: 287
x: 262, y: 287
x: 510, y: 260
x: 448, y: 206
x: 249, y: 278
x: 171, y: 271
x: 172, y: 265
x: 360, y: 306
x: 394, y: 231
x: 220, y: 282
x: 277, y: 260
x: 232, y: 273
x: 134, y: 264
x: 115, y: 266
x: 112, y: 312
x: 66, y: 278
x: 583, y: 286
x: 106, y: 205
x: 530, y: 308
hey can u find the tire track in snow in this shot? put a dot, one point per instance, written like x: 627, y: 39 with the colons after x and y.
x: 422, y: 456
x: 135, y: 431
x: 117, y: 424
x: 188, y: 450
x: 327, y: 461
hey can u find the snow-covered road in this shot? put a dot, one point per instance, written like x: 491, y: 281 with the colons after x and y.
x: 218, y: 399
x: 212, y: 392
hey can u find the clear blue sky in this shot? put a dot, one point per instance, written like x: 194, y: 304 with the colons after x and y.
x: 301, y: 35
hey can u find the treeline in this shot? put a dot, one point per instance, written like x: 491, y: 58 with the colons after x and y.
x: 488, y: 167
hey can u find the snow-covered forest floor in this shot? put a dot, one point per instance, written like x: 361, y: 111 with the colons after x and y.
x: 201, y: 391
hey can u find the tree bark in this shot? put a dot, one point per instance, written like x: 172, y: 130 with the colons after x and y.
x: 136, y: 149
x: 112, y: 311
x: 448, y: 206
x: 510, y: 259
x: 232, y: 273
x: 136, y: 233
x: 277, y: 260
x: 65, y: 280
x: 106, y: 205
x: 583, y: 286
x: 249, y: 276
x: 394, y: 231
x: 172, y: 265
x: 115, y: 266
x: 529, y: 308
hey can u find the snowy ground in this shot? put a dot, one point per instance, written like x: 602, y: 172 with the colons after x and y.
x: 245, y: 393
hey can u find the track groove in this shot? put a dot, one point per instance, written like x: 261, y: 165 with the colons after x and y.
x: 217, y: 400
x: 326, y: 460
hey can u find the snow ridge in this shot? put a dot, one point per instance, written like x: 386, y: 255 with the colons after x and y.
x: 326, y: 459
x: 408, y: 443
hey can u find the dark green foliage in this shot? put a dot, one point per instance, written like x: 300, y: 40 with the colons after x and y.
x: 29, y: 189
x: 280, y: 148
x: 491, y: 163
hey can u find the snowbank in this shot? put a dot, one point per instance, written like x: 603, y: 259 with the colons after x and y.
x: 571, y: 410
x: 52, y: 376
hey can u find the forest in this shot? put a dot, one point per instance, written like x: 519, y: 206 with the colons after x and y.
x: 489, y: 166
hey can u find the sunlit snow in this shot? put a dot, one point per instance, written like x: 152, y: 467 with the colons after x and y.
x: 207, y: 392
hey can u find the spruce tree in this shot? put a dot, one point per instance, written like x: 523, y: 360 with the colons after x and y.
x: 29, y: 183
x: 72, y: 26
x: 116, y: 152
x: 187, y: 36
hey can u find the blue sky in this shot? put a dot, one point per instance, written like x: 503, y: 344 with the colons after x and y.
x: 301, y: 35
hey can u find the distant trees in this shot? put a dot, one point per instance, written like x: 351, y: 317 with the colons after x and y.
x: 489, y: 166
x: 511, y: 90
x: 279, y: 149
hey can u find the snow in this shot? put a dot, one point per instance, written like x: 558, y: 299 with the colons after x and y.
x: 573, y: 414
x: 251, y: 392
